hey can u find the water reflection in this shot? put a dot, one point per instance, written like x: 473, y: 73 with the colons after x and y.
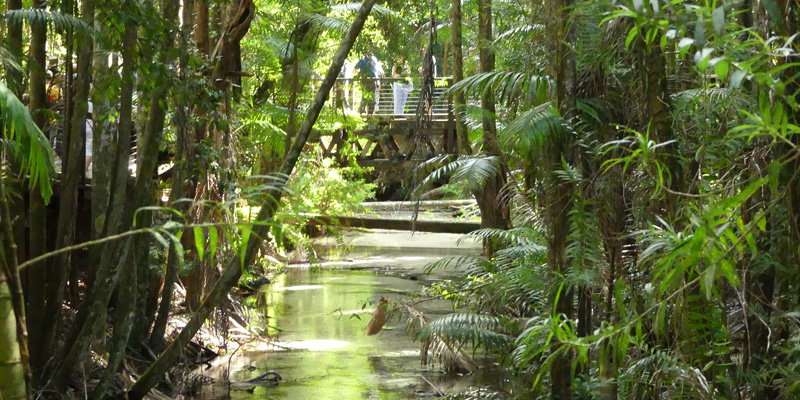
x: 321, y: 349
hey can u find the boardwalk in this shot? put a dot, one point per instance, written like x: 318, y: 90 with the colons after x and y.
x: 388, y: 137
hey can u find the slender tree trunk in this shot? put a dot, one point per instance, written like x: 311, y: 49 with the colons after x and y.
x: 234, y: 269
x: 10, y: 270
x: 181, y: 184
x: 92, y: 310
x: 558, y: 191
x: 36, y: 207
x: 104, y: 141
x: 459, y: 102
x: 494, y: 214
x: 71, y: 176
x: 12, y: 386
x: 201, y: 31
x: 123, y: 323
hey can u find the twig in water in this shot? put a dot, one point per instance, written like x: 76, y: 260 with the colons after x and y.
x: 439, y: 392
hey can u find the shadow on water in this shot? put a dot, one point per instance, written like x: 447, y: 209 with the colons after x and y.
x: 320, y: 346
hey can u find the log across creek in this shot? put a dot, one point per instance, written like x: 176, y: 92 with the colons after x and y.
x: 461, y: 227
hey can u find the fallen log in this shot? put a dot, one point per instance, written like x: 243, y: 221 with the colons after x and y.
x: 410, y: 205
x: 462, y: 227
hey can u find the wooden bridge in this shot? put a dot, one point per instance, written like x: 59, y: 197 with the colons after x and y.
x: 389, y: 137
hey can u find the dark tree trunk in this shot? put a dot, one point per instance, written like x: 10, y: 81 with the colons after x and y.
x: 558, y: 191
x: 459, y: 103
x: 71, y: 176
x: 36, y: 208
x: 494, y: 214
x: 234, y: 269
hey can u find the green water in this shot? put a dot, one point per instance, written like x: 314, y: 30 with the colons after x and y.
x: 319, y: 320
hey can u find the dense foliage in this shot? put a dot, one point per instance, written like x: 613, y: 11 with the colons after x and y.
x: 635, y: 164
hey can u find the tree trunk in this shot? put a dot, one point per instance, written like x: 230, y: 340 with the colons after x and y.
x: 12, y: 386
x: 37, y: 245
x: 558, y: 191
x: 123, y: 322
x: 71, y: 176
x: 13, y: 283
x: 182, y: 183
x: 104, y: 140
x: 234, y: 269
x: 459, y: 103
x: 494, y: 214
x: 201, y: 31
x: 92, y: 310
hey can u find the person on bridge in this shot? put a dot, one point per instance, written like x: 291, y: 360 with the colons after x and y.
x: 403, y: 86
x: 370, y: 70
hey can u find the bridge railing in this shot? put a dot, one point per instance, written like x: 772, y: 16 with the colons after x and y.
x: 350, y: 93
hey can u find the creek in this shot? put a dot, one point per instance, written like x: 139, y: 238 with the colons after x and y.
x: 317, y: 320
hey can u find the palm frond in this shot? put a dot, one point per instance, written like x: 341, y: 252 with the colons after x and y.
x: 470, y: 170
x: 354, y: 7
x: 25, y: 141
x: 477, y: 330
x: 9, y: 60
x: 55, y: 19
x: 327, y: 22
x: 469, y: 264
x: 523, y: 31
x: 535, y: 128
x: 506, y: 86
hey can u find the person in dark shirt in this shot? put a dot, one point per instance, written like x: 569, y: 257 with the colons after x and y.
x: 370, y: 71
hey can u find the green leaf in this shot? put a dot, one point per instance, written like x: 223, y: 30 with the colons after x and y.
x: 684, y: 45
x: 737, y: 78
x: 774, y: 171
x: 718, y: 19
x: 708, y: 280
x: 701, y: 58
x: 655, y: 5
x: 199, y: 242
x: 631, y: 35
x: 661, y: 323
x: 721, y: 69
x: 246, y: 231
x: 699, y: 31
x: 176, y: 241
x: 23, y: 140
x: 212, y: 241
